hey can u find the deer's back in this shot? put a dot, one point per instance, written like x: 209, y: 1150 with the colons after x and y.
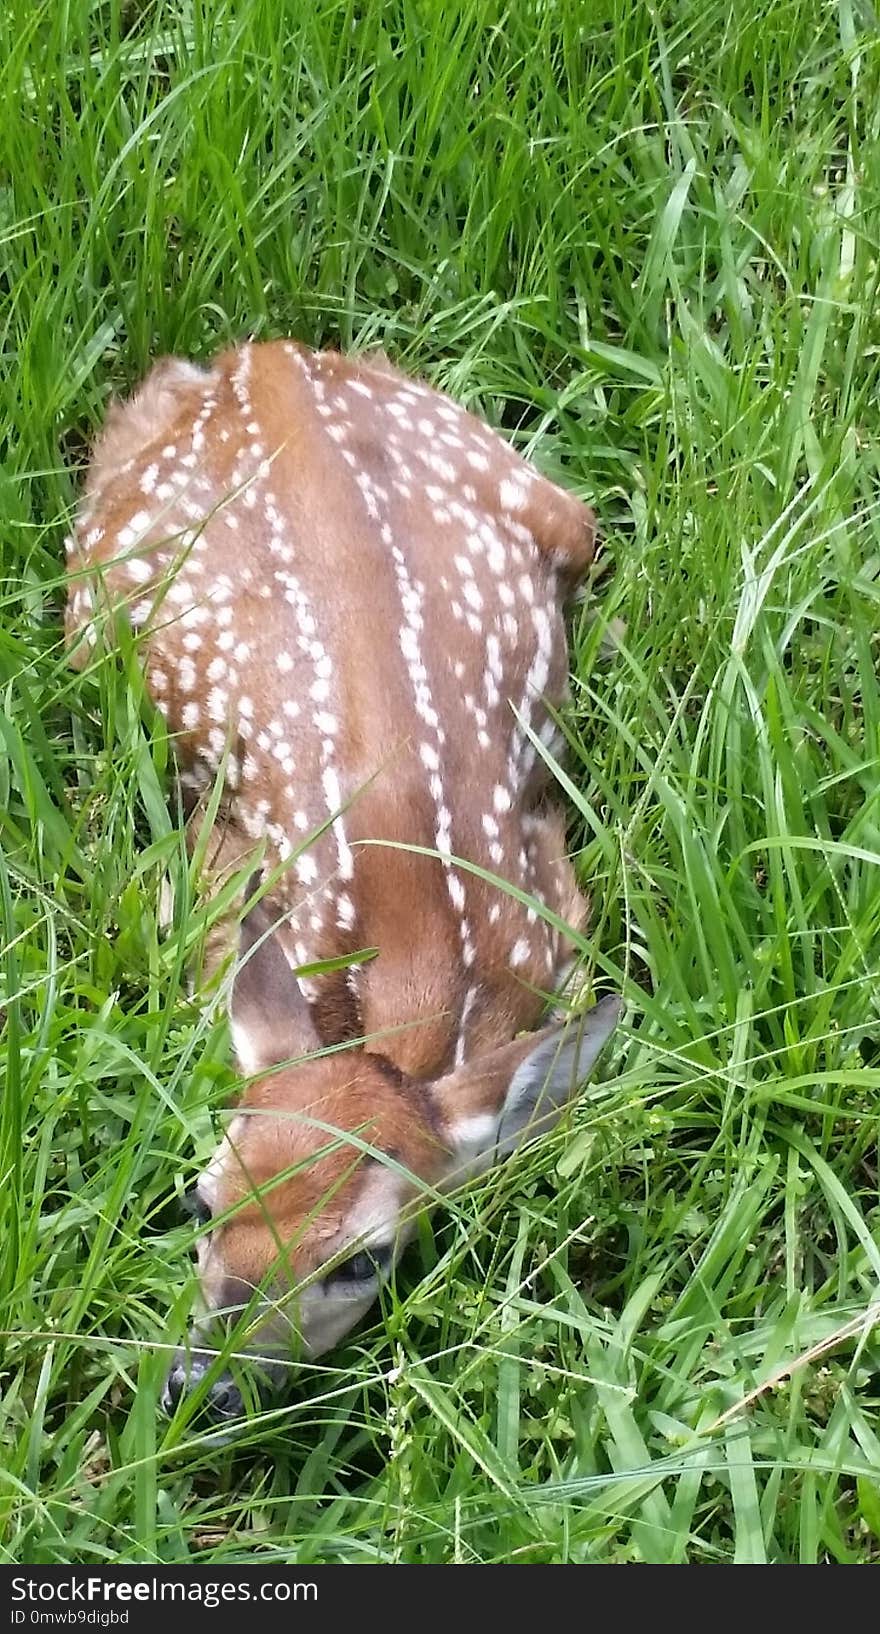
x: 349, y: 590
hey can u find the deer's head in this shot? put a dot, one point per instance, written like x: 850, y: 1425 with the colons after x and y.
x: 331, y: 1156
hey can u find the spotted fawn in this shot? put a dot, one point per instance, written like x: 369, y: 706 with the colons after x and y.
x: 348, y: 595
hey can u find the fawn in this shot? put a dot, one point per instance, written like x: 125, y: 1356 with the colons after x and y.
x: 348, y: 592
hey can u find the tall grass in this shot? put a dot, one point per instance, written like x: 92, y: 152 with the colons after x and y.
x: 643, y: 240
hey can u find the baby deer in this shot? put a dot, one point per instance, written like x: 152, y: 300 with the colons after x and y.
x: 349, y: 597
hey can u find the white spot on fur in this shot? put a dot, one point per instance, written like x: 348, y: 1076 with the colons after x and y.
x: 512, y: 494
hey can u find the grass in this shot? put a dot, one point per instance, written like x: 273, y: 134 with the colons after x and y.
x: 645, y: 241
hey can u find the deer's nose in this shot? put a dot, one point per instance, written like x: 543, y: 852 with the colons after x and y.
x: 187, y: 1368
x: 175, y: 1386
x: 223, y: 1400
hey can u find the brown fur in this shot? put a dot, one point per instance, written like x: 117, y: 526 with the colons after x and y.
x: 264, y: 473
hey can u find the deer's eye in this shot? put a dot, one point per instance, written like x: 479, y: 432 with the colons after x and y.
x: 360, y: 1268
x: 195, y: 1206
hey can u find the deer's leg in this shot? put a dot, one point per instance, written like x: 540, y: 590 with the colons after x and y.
x: 554, y: 878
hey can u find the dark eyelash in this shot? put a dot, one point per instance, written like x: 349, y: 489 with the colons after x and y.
x: 195, y: 1206
x: 364, y: 1266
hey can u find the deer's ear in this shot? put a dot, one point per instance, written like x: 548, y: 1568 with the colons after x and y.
x: 268, y: 1014
x: 501, y: 1100
x: 553, y: 1073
